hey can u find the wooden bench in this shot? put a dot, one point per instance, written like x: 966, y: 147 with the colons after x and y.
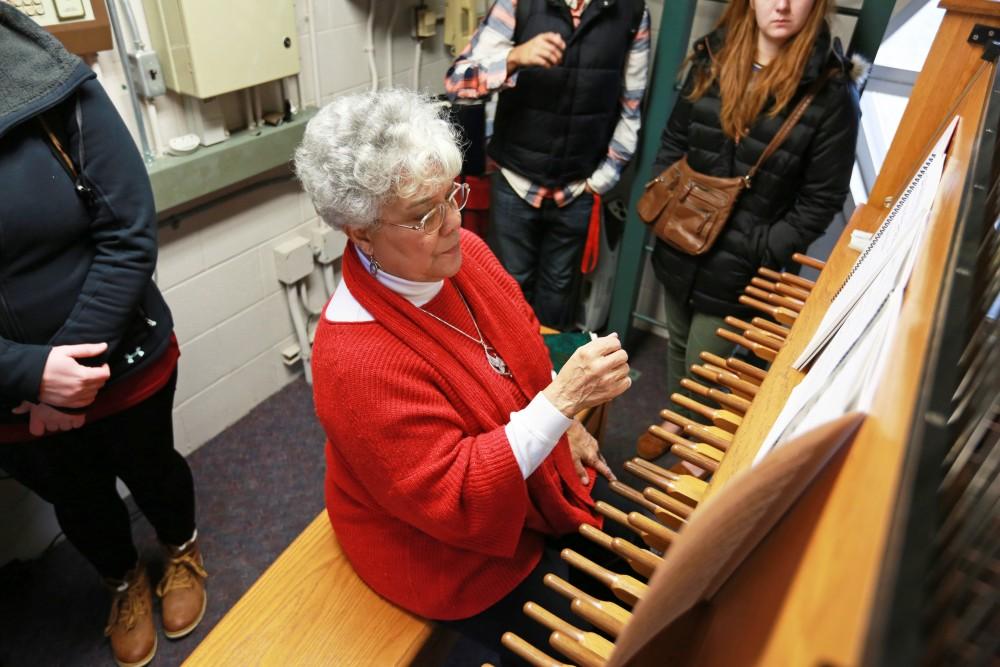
x: 310, y: 608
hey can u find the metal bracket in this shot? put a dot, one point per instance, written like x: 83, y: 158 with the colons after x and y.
x: 989, y: 37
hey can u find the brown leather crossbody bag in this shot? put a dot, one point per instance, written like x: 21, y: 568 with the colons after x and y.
x: 688, y: 209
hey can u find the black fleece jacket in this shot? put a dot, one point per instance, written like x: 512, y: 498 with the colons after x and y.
x: 71, y: 270
x: 795, y: 195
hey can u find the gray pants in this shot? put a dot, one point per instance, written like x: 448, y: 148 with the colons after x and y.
x: 691, y: 333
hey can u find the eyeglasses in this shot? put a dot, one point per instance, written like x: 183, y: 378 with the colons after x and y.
x: 433, y: 219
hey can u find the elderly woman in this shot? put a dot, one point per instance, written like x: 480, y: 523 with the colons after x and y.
x: 454, y: 465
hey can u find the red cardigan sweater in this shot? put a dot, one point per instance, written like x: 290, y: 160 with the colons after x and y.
x: 422, y: 487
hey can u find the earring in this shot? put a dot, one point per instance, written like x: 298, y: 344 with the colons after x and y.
x: 373, y: 266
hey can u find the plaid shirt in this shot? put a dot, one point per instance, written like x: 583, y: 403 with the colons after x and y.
x: 481, y: 69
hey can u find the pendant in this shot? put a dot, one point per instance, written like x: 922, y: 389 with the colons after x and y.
x: 496, y: 363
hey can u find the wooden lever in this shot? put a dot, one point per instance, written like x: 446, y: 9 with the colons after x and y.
x: 747, y: 369
x: 767, y: 325
x: 668, y: 503
x: 765, y: 285
x: 616, y: 515
x: 596, y: 617
x: 791, y: 291
x: 627, y: 589
x: 694, y: 457
x: 636, y: 557
x: 765, y: 339
x: 654, y: 534
x: 724, y: 419
x: 769, y: 274
x: 676, y: 440
x: 652, y: 467
x: 672, y: 520
x: 761, y: 351
x: 688, y: 487
x: 727, y: 379
x: 528, y: 653
x: 798, y: 281
x: 728, y: 401
x: 684, y: 422
x: 774, y: 299
x: 756, y: 377
x: 806, y: 260
x: 704, y: 435
x: 738, y: 324
x: 627, y: 492
x: 575, y: 651
x: 589, y: 640
x: 783, y: 315
x: 612, y: 618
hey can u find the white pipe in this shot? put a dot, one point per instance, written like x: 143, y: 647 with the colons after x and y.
x: 388, y: 44
x: 301, y: 332
x: 248, y: 108
x: 258, y: 112
x: 370, y: 46
x: 315, y: 55
x: 298, y: 91
x: 286, y: 97
x: 133, y: 26
x: 416, y: 65
x: 329, y: 280
x: 154, y: 125
x: 304, y: 296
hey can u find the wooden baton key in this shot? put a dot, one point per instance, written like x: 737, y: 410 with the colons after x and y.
x: 627, y: 589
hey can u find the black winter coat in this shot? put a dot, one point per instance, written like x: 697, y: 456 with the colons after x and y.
x: 71, y: 271
x: 795, y: 195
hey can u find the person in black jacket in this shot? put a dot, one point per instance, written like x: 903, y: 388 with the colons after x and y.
x: 87, y: 352
x: 745, y: 78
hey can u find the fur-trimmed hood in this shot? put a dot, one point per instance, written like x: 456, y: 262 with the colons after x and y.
x: 36, y: 72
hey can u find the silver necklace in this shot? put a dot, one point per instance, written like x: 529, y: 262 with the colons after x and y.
x: 495, y: 361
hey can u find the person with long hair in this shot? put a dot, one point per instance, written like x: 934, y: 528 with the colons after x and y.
x: 745, y: 78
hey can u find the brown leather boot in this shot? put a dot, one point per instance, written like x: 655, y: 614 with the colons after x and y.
x: 130, y: 625
x: 182, y: 590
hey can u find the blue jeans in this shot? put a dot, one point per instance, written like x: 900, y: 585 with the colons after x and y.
x: 540, y: 247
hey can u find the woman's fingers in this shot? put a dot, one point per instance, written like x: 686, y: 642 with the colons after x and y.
x: 602, y: 467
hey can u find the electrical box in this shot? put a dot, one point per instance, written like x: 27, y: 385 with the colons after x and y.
x: 293, y: 260
x: 212, y: 47
x: 81, y: 25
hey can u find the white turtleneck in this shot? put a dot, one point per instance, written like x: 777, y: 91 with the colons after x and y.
x: 532, y: 432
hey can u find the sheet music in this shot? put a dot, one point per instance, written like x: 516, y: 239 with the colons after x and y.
x: 850, y: 358
x: 896, y: 237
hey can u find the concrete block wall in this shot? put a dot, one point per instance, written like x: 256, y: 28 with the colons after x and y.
x: 216, y: 268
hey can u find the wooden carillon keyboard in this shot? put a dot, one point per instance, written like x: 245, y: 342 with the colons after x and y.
x: 838, y: 524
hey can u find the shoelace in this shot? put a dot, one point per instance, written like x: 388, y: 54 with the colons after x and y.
x: 181, y: 573
x: 126, y: 609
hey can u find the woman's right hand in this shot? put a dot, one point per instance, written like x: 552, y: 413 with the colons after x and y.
x: 596, y: 373
x: 67, y: 383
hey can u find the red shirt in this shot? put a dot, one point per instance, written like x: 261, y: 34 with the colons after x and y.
x: 117, y: 397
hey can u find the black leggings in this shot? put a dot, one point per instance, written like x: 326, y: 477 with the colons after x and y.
x: 76, y: 472
x: 488, y: 626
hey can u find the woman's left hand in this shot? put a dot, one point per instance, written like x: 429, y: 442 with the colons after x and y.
x: 586, y: 451
x: 46, y: 419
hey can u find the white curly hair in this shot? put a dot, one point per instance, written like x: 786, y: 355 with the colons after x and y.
x: 361, y: 151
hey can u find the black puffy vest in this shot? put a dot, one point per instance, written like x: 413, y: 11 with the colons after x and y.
x: 555, y: 125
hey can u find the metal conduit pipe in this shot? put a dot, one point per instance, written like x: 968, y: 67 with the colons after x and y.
x: 295, y: 308
x: 133, y: 97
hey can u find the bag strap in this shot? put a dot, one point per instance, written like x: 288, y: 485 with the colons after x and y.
x: 786, y: 127
x: 82, y: 188
x: 60, y: 151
